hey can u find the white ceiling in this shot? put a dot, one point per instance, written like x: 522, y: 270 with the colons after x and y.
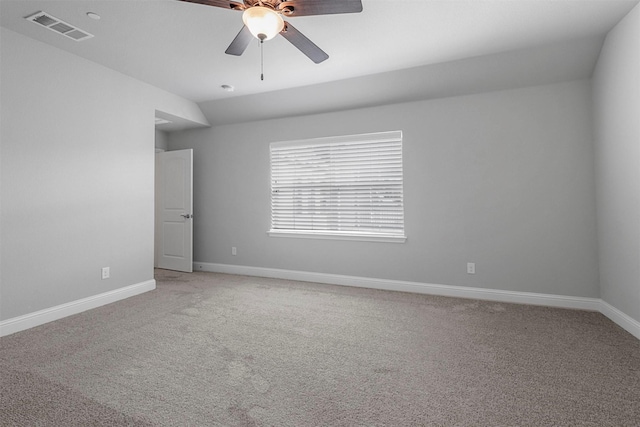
x: 407, y: 49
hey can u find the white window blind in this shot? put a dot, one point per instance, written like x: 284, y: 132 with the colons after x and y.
x: 347, y: 186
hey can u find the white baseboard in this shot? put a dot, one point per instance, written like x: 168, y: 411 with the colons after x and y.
x: 548, y: 300
x: 623, y: 320
x: 582, y: 303
x: 41, y: 317
x: 47, y: 315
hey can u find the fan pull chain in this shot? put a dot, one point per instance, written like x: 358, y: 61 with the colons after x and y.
x: 261, y: 59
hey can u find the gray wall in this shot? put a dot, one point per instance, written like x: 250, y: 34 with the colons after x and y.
x: 162, y: 140
x: 616, y: 85
x: 503, y: 179
x: 77, y: 160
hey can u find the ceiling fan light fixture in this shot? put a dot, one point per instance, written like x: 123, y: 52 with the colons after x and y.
x: 262, y: 22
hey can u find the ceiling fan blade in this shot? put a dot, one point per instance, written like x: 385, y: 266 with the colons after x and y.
x: 226, y: 4
x: 305, y: 45
x: 319, y: 7
x: 240, y: 43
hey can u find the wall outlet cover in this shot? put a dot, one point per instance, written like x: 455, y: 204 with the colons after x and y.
x: 471, y: 268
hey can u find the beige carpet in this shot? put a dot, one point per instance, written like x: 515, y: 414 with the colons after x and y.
x: 219, y: 350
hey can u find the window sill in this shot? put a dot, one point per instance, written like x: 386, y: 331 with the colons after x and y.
x: 368, y: 237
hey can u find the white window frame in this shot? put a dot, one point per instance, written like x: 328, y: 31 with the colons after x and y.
x: 373, y: 161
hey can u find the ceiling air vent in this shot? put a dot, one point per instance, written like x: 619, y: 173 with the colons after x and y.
x: 57, y: 25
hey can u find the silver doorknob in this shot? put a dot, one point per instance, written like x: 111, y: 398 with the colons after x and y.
x: 187, y: 216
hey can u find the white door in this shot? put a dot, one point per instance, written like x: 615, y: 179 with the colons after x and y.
x: 174, y: 210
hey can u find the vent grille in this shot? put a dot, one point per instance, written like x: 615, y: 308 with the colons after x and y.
x: 59, y: 26
x: 77, y: 35
x: 44, y: 20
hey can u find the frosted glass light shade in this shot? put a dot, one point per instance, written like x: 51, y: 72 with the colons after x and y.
x: 262, y: 20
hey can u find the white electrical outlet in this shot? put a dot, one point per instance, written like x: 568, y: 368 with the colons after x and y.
x: 234, y: 251
x: 105, y: 273
x: 471, y: 268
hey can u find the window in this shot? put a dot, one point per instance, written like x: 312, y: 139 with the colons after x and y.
x: 347, y: 187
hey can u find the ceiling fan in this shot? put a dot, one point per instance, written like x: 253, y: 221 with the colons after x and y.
x: 263, y: 20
